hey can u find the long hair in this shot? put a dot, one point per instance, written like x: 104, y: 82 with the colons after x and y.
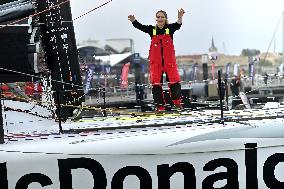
x: 165, y: 14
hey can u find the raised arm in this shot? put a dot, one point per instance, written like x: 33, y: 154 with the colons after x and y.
x: 176, y: 26
x: 138, y: 25
x: 180, y: 15
x: 131, y: 18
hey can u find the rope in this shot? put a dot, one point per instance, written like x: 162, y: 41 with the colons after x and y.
x: 88, y: 12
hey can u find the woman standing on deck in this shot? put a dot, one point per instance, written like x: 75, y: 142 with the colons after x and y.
x: 162, y: 57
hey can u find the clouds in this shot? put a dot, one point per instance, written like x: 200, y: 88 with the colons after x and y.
x: 238, y: 23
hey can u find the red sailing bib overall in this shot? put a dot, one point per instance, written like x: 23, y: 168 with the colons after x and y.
x: 162, y: 59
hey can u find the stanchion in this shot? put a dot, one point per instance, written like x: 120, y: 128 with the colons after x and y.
x: 220, y: 95
x: 1, y: 121
x: 104, y: 97
x: 227, y: 90
x: 59, y: 111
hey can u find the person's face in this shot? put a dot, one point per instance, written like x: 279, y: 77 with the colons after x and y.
x: 160, y: 18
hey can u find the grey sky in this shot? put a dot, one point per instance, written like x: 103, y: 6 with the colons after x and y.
x: 237, y: 23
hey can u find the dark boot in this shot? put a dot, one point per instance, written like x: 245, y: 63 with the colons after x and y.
x: 158, y: 96
x: 175, y: 91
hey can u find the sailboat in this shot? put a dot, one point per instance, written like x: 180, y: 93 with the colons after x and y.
x: 190, y: 149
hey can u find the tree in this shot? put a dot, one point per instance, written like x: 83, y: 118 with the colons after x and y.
x: 250, y: 52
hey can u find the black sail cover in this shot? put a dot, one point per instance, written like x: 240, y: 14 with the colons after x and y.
x: 61, y: 52
x: 15, y: 41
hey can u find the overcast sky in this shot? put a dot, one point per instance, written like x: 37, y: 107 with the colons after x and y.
x: 234, y: 24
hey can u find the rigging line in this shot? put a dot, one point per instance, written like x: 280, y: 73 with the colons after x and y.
x: 62, y: 82
x: 31, y: 75
x: 86, y: 13
x: 36, y: 14
x: 275, y: 31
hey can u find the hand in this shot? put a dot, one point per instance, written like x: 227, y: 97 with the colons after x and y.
x: 180, y: 13
x: 131, y: 18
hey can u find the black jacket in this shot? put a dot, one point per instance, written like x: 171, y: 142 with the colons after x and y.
x: 149, y: 28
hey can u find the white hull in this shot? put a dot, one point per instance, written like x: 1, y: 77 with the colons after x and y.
x: 147, y: 149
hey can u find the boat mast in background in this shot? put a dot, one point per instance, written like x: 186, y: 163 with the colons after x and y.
x: 283, y: 39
